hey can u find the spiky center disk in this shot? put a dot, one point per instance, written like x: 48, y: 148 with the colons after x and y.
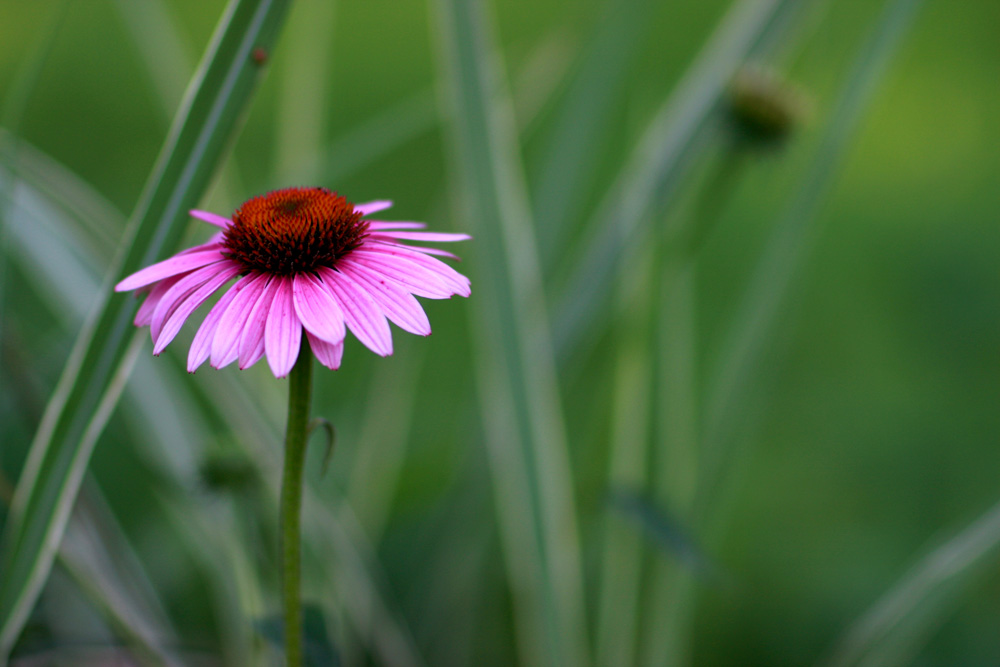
x: 293, y: 230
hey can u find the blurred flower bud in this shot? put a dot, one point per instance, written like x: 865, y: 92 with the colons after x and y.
x: 764, y: 107
x: 228, y: 474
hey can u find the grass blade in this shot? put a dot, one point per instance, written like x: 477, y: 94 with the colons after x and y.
x: 98, y: 557
x: 418, y: 115
x: 518, y: 391
x: 893, y: 630
x: 82, y: 401
x: 582, y: 122
x: 374, y: 139
x: 668, y: 618
x: 105, y: 569
x: 302, y: 104
x: 617, y: 616
x: 159, y: 45
x: 133, y: 610
x: 743, y: 349
x: 382, y: 443
x: 681, y: 128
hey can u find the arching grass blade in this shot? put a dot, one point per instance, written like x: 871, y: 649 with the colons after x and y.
x: 75, y: 416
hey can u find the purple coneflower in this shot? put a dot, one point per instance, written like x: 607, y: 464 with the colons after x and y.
x: 304, y: 259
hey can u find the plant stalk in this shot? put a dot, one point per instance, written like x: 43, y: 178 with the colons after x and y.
x: 299, y: 396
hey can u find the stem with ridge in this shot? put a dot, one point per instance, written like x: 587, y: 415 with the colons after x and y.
x: 299, y: 396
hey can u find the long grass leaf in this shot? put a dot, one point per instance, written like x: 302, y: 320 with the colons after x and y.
x: 898, y: 624
x: 104, y: 569
x: 73, y: 419
x: 226, y: 561
x: 382, y: 442
x: 168, y: 63
x: 98, y: 557
x: 165, y: 56
x: 582, y: 121
x: 618, y: 605
x: 516, y: 371
x: 742, y: 352
x: 12, y: 109
x: 681, y: 128
x: 667, y: 621
x: 417, y: 115
x: 374, y: 139
x: 302, y: 104
x: 56, y: 247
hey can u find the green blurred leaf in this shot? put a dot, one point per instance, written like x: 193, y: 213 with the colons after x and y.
x: 374, y: 139
x: 382, y: 443
x: 901, y: 621
x: 521, y: 408
x: 670, y: 588
x: 165, y: 56
x: 683, y: 127
x: 665, y: 530
x: 97, y: 555
x: 88, y: 390
x: 582, y: 122
x: 732, y: 383
x: 628, y: 461
x: 303, y: 106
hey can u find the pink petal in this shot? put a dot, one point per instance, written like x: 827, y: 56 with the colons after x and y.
x: 169, y: 267
x: 211, y: 218
x: 183, y: 310
x: 362, y: 314
x: 251, y: 346
x: 317, y: 309
x: 283, y: 332
x: 435, y: 251
x: 429, y: 237
x: 328, y: 354
x: 423, y: 271
x: 448, y: 275
x: 234, y: 321
x: 144, y: 316
x: 397, y: 304
x: 179, y: 291
x: 185, y: 287
x: 376, y: 225
x: 413, y: 277
x: 201, y: 346
x: 373, y: 206
x: 393, y: 243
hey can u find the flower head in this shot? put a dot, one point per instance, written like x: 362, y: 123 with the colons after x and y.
x: 304, y: 259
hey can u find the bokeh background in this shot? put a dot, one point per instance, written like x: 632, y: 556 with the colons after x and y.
x: 861, y: 436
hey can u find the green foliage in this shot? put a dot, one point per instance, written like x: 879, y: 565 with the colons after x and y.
x: 94, y: 376
x: 786, y: 354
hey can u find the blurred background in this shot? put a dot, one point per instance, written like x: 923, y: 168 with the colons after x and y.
x: 751, y: 412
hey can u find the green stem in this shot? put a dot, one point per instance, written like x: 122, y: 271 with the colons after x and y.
x: 299, y: 395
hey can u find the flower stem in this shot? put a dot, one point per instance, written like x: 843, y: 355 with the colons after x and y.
x: 299, y: 396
